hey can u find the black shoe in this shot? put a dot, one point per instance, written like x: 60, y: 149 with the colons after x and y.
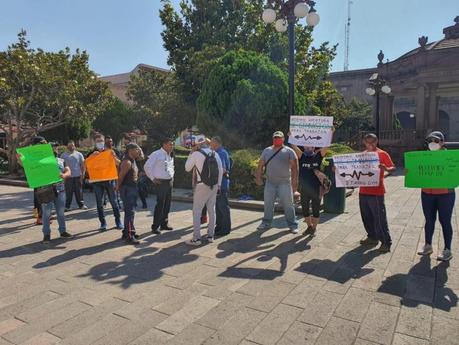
x: 131, y: 241
x: 136, y: 236
x: 369, y: 242
x: 66, y: 235
x: 46, y: 239
x: 166, y: 227
x: 155, y: 230
x: 310, y: 231
x: 384, y: 248
x: 144, y: 207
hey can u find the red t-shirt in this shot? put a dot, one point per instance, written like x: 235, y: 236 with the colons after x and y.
x: 385, y: 159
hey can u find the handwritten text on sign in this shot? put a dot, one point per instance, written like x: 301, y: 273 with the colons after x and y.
x: 313, y: 131
x: 432, y: 169
x: 357, y: 170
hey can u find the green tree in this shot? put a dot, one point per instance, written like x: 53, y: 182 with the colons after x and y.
x: 115, y: 121
x: 244, y: 99
x: 42, y: 90
x: 356, y: 116
x: 158, y: 105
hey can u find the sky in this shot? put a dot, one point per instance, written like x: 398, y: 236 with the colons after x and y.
x: 120, y: 34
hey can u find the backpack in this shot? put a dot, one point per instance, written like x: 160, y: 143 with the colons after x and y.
x: 209, y: 173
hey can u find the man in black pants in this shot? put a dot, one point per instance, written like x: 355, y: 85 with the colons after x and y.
x: 160, y: 170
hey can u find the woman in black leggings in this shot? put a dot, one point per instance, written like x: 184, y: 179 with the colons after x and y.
x: 310, y: 159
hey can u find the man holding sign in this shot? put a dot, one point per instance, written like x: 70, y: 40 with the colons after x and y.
x: 371, y: 200
x: 102, y: 165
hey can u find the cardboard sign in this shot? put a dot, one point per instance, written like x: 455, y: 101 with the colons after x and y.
x: 357, y: 169
x: 40, y: 165
x: 315, y: 131
x: 432, y: 169
x: 101, y: 167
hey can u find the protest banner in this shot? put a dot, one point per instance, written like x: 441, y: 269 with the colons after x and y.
x: 101, y: 167
x: 432, y: 169
x: 40, y: 165
x: 357, y: 169
x: 316, y: 131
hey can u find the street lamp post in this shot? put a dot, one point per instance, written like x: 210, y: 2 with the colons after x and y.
x: 284, y: 14
x: 377, y: 85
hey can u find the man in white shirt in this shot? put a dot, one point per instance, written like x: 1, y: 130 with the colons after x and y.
x: 159, y: 168
x: 209, y: 173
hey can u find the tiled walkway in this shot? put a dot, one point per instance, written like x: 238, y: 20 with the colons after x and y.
x: 249, y: 288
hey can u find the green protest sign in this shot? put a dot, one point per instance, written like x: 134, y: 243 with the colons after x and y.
x: 40, y: 165
x: 432, y: 169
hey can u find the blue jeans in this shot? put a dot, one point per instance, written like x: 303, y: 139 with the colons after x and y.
x: 129, y: 197
x: 443, y: 204
x: 59, y: 204
x: 285, y: 194
x: 99, y: 189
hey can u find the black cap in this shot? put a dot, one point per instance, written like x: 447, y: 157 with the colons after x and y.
x: 436, y: 135
x: 38, y: 140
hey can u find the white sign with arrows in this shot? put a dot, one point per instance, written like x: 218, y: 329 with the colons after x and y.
x: 316, y: 131
x: 357, y: 169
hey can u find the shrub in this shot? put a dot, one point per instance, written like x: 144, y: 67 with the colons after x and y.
x: 243, y: 174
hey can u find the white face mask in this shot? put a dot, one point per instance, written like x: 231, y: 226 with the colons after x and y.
x: 100, y: 146
x: 434, y: 146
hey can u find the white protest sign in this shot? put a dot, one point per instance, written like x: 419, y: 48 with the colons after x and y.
x: 316, y: 131
x: 357, y: 169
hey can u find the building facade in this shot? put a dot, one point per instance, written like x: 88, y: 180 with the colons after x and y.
x: 424, y: 91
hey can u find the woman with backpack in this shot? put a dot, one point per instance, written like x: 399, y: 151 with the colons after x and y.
x: 312, y: 183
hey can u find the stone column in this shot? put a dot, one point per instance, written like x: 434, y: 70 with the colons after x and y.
x: 433, y: 116
x: 420, y: 111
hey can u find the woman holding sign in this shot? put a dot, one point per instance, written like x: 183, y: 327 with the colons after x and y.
x: 439, y: 201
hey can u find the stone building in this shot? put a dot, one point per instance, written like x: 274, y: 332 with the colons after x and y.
x: 424, y: 96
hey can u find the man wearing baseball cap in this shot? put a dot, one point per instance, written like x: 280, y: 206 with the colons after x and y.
x: 280, y: 165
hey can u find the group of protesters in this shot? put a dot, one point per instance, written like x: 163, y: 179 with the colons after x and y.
x: 289, y: 174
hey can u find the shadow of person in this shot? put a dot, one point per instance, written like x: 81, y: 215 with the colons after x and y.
x: 351, y: 265
x: 423, y: 284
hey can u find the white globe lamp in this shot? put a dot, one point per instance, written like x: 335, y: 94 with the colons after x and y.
x: 301, y: 10
x: 281, y: 25
x: 312, y: 19
x: 386, y: 89
x: 370, y: 91
x: 269, y: 16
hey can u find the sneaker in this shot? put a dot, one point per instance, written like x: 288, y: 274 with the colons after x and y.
x: 166, y: 227
x: 426, y: 250
x: 210, y: 239
x: 103, y: 227
x: 446, y: 255
x: 39, y: 222
x: 119, y: 226
x: 384, y: 248
x: 46, y: 239
x: 83, y: 207
x: 155, y: 230
x: 65, y: 234
x: 193, y: 242
x: 136, y: 236
x: 132, y: 241
x: 264, y: 226
x: 369, y: 242
x: 294, y: 230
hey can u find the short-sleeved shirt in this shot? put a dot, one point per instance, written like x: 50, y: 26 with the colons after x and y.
x: 309, y: 163
x: 226, y: 165
x: 74, y: 161
x: 380, y: 190
x: 278, y: 169
x: 60, y: 187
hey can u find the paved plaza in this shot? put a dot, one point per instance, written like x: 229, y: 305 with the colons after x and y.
x: 249, y: 288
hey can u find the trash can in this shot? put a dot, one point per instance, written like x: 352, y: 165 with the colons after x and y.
x: 335, y: 199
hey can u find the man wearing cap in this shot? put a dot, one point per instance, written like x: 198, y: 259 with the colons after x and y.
x: 280, y: 165
x: 437, y: 201
x: 73, y: 185
x: 159, y: 168
x: 204, y: 195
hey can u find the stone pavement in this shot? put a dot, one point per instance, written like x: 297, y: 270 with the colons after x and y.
x: 250, y: 288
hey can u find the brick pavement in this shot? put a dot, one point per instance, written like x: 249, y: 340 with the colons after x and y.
x: 250, y: 288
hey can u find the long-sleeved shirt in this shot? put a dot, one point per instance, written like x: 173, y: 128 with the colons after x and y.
x: 196, y: 160
x: 160, y: 165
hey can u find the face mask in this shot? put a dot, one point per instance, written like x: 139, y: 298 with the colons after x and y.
x: 278, y: 142
x: 434, y: 146
x: 308, y: 153
x: 100, y: 146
